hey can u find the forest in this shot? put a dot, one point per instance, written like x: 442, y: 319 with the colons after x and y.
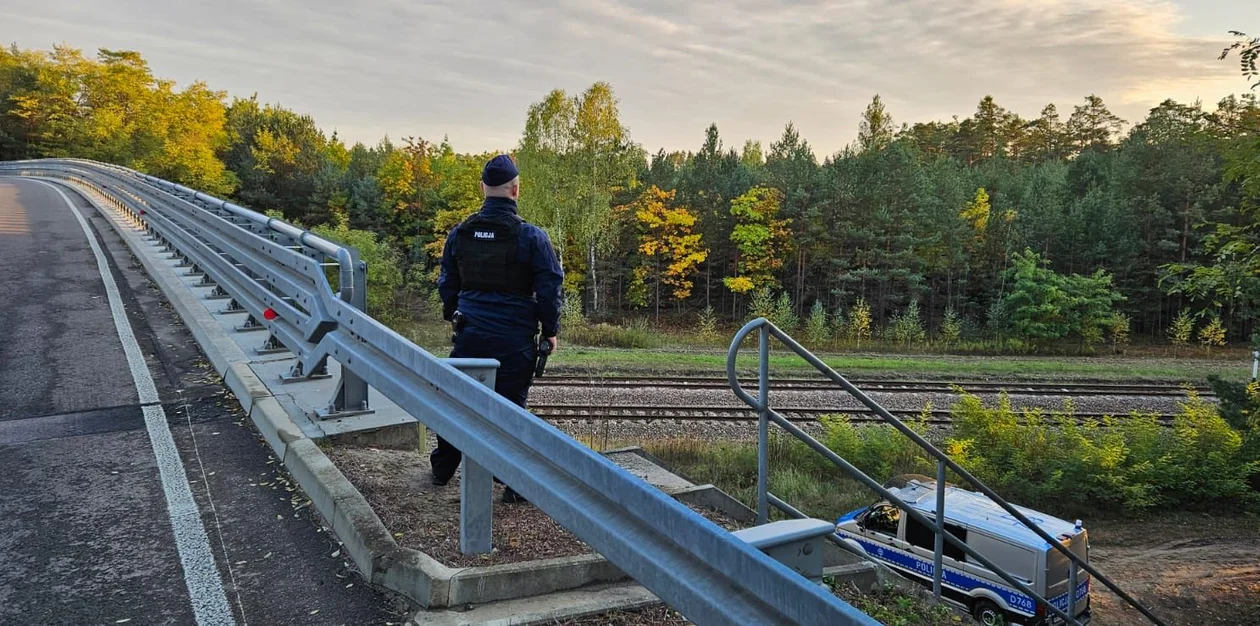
x: 1072, y: 226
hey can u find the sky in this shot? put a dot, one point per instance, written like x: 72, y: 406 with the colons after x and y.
x: 470, y: 70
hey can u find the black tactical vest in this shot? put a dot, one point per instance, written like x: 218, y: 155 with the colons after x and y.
x: 485, y: 254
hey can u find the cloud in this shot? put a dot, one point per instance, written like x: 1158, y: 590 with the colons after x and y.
x: 436, y: 67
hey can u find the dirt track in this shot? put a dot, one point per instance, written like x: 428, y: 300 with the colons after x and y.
x: 1190, y: 570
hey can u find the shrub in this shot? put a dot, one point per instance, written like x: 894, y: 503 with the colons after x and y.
x: 817, y: 330
x: 571, y: 316
x: 1212, y: 335
x: 1181, y: 330
x: 951, y: 327
x: 998, y: 319
x: 839, y: 324
x: 907, y: 328
x: 1133, y: 464
x: 761, y: 304
x: 1118, y: 331
x: 384, y: 276
x: 879, y: 450
x: 860, y: 322
x: 706, y: 324
x: 784, y: 313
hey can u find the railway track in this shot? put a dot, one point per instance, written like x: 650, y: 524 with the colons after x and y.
x: 560, y: 412
x: 883, y: 386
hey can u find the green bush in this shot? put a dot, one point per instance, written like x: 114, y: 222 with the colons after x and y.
x: 1239, y: 405
x: 879, y: 450
x: 951, y: 327
x: 1050, y: 461
x: 383, y: 274
x: 706, y: 324
x: 761, y: 304
x: 817, y: 330
x: 784, y: 313
x: 907, y: 328
x: 571, y: 316
x: 1132, y: 464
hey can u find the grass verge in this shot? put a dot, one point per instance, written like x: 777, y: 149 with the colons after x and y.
x: 622, y: 361
x: 667, y: 356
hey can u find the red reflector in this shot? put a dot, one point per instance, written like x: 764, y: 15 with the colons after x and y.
x: 270, y: 314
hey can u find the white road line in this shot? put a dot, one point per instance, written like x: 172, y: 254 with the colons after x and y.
x: 205, y: 588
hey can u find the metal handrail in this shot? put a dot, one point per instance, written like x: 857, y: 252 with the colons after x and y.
x: 705, y: 572
x: 765, y: 499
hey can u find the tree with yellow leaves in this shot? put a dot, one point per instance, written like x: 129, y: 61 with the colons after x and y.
x: 762, y: 238
x: 669, y: 252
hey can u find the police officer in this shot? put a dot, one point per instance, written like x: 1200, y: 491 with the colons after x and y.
x: 502, y: 276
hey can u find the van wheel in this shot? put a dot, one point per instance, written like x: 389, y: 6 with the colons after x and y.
x: 988, y: 613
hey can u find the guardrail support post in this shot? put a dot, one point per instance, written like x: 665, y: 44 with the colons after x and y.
x: 352, y: 391
x: 476, y: 486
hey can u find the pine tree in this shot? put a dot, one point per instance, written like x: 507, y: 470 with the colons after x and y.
x: 784, y: 315
x: 761, y: 304
x: 1093, y: 125
x: 706, y: 324
x: 951, y: 327
x: 817, y: 330
x: 876, y: 129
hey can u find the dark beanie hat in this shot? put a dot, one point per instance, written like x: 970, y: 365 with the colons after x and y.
x: 499, y: 171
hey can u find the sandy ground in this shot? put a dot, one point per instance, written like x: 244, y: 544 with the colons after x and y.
x: 1189, y: 570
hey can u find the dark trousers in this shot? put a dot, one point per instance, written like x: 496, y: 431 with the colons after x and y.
x: 512, y: 381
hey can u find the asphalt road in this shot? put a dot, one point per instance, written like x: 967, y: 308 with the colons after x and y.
x: 92, y: 527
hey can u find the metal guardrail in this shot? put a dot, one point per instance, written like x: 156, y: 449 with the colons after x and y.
x: 703, y: 571
x: 765, y: 499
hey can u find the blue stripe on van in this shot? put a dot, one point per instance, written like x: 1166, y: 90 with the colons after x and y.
x: 1015, y: 600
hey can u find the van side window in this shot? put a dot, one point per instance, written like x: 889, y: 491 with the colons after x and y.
x: 921, y: 536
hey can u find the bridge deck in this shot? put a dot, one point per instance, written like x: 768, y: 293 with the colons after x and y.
x: 95, y: 525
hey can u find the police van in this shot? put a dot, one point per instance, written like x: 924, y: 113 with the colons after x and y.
x: 886, y: 534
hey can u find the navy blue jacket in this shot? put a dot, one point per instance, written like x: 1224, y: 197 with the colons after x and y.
x: 501, y: 314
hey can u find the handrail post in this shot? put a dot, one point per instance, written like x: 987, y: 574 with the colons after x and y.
x: 1072, y: 589
x: 940, y: 531
x: 763, y: 425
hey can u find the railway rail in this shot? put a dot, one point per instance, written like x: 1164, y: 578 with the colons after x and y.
x: 588, y: 412
x: 884, y: 386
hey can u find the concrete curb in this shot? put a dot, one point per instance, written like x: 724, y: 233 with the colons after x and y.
x: 364, y: 537
x: 478, y: 585
x: 544, y: 610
